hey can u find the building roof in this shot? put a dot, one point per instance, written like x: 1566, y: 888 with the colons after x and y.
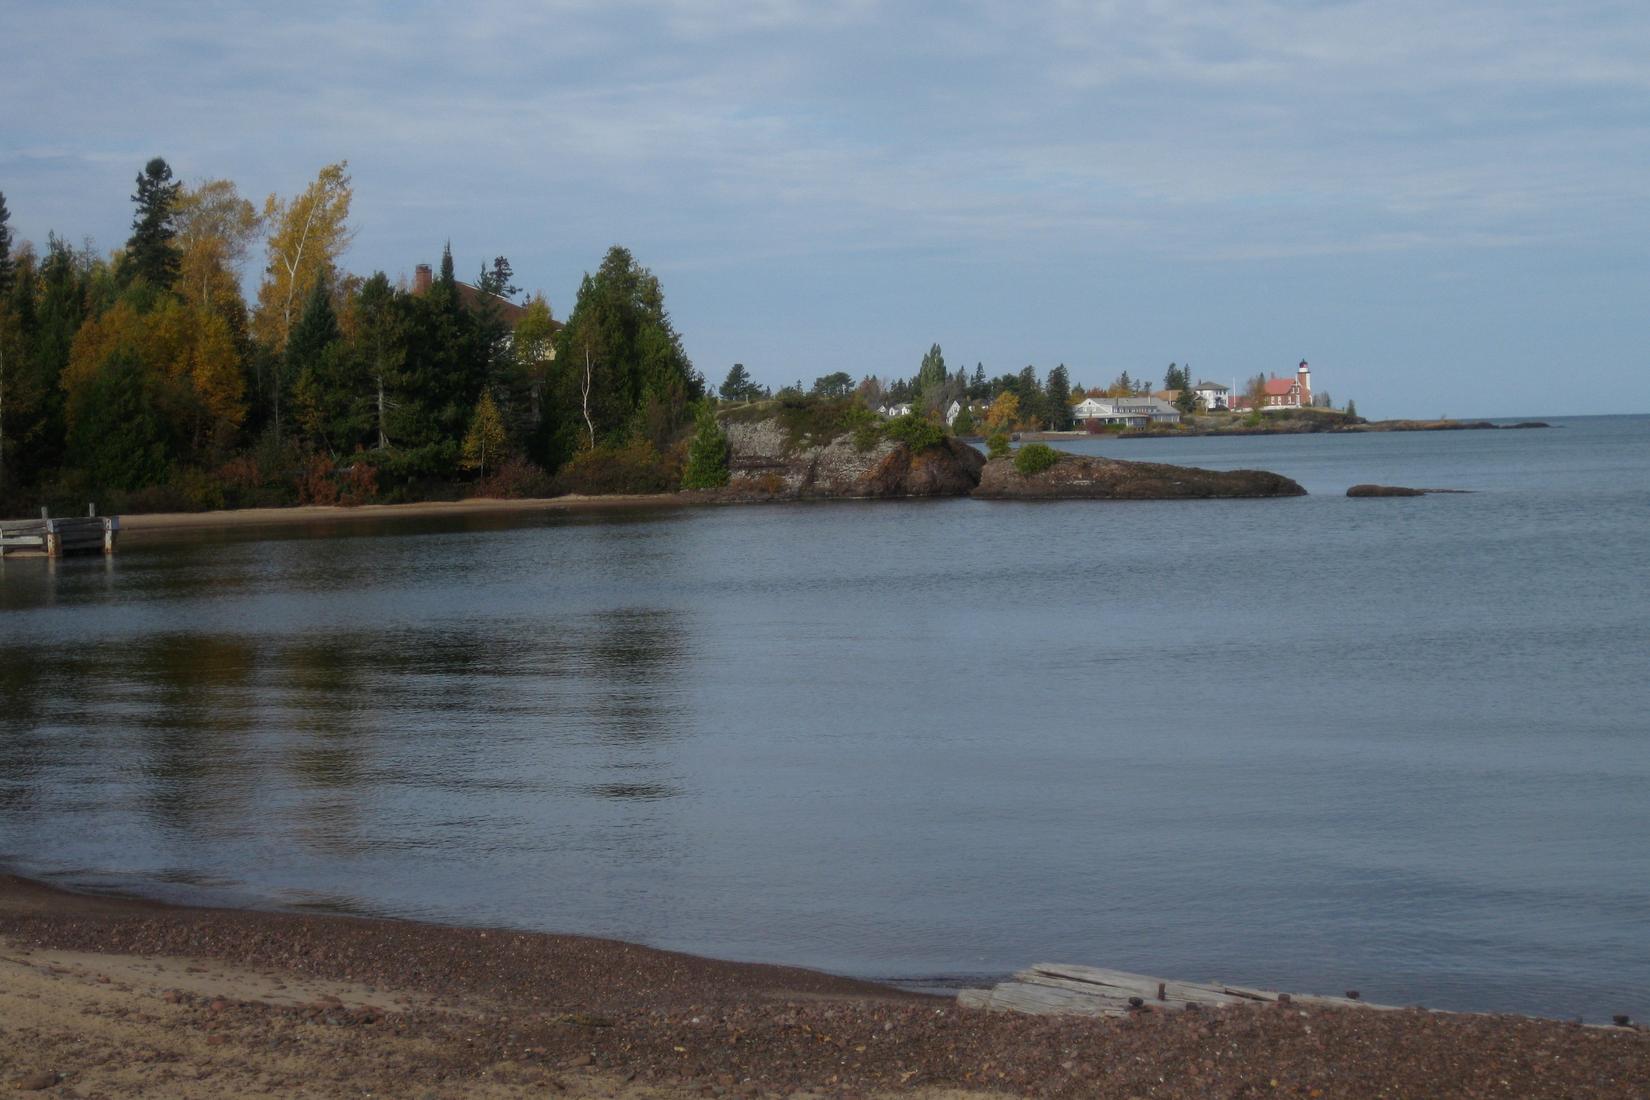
x: 474, y: 299
x: 1211, y: 386
x: 1279, y: 387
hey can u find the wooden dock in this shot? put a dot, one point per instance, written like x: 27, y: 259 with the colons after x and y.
x: 88, y: 534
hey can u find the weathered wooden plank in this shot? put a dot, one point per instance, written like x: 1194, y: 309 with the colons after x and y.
x: 1071, y: 989
x: 1045, y: 1000
x: 1144, y: 986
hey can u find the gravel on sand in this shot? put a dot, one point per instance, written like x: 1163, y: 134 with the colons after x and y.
x: 114, y: 997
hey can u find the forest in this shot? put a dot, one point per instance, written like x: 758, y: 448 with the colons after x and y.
x: 144, y: 380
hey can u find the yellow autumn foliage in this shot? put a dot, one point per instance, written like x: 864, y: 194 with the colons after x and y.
x: 187, y: 344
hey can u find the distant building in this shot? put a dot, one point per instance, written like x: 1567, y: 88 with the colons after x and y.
x: 1095, y: 413
x: 1289, y: 393
x: 1214, y: 396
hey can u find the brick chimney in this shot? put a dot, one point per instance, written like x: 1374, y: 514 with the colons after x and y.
x: 422, y: 278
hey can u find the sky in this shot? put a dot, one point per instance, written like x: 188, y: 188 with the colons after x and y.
x: 1440, y: 204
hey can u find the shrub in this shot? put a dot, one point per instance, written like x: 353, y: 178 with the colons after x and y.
x: 997, y: 445
x: 634, y: 467
x: 916, y: 431
x: 515, y: 479
x: 1034, y: 458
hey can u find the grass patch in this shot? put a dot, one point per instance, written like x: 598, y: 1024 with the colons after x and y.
x: 812, y: 421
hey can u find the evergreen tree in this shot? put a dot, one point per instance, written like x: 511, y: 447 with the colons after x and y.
x: 7, y: 268
x: 738, y: 386
x: 1057, y: 399
x: 978, y: 387
x: 498, y: 279
x: 150, y: 253
x: 707, y: 464
x: 442, y: 374
x: 621, y: 363
x: 837, y: 384
x: 123, y: 437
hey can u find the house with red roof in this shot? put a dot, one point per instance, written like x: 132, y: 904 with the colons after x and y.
x: 1284, y: 393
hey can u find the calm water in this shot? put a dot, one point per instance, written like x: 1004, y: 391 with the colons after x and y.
x: 1392, y: 745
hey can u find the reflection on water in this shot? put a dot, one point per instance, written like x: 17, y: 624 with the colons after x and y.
x: 1319, y: 743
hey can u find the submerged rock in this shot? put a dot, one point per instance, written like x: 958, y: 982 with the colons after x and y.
x: 1396, y: 491
x: 1084, y: 477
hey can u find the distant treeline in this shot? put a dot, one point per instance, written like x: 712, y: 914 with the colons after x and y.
x: 144, y: 380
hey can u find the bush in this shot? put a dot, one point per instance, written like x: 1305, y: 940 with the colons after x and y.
x: 516, y: 479
x: 1034, y: 458
x: 916, y: 431
x: 634, y: 467
x: 997, y: 445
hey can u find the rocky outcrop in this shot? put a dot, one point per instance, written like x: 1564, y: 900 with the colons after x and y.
x: 1082, y: 477
x: 769, y: 462
x: 1396, y: 491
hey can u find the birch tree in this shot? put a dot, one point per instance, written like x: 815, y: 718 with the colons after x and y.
x: 307, y: 234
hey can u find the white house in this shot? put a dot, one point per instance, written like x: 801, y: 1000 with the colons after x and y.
x: 1133, y: 412
x: 892, y: 411
x: 1213, y: 395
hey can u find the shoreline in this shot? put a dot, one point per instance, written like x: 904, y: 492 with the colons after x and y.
x: 317, y: 513
x: 110, y: 996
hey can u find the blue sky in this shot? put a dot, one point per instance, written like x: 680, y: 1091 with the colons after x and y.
x: 1442, y: 205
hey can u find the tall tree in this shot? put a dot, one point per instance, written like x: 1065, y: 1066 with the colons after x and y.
x: 215, y: 231
x: 621, y: 361
x: 306, y: 366
x: 7, y: 340
x: 738, y: 385
x: 381, y: 324
x: 150, y: 253
x: 498, y: 279
x: 307, y: 234
x: 7, y: 267
x: 1057, y: 399
x: 932, y: 373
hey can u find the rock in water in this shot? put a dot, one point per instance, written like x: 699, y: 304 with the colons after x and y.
x: 1084, y: 477
x: 1384, y: 491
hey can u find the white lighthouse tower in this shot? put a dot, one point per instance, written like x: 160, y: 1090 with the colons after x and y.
x: 1303, y: 375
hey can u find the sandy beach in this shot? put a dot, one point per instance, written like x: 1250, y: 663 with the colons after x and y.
x: 106, y: 997
x: 312, y: 513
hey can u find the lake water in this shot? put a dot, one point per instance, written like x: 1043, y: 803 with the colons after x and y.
x: 1400, y: 746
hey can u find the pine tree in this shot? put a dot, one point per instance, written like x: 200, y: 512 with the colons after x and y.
x: 737, y: 386
x: 317, y: 328
x: 707, y: 464
x: 498, y: 279
x: 7, y: 268
x: 1057, y: 399
x: 150, y: 253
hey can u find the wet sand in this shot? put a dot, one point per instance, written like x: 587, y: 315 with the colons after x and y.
x: 103, y: 997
